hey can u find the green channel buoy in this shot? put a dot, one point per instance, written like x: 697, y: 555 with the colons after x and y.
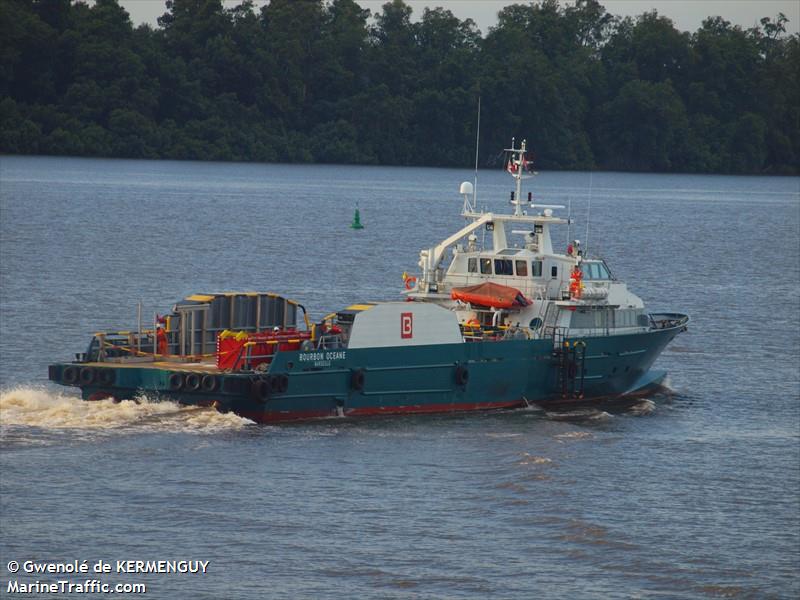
x: 356, y: 224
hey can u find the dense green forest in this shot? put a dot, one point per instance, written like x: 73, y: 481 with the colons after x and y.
x: 308, y: 80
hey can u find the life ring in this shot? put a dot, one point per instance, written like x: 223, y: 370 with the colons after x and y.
x: 192, y: 382
x: 209, y: 383
x: 87, y: 376
x: 462, y: 375
x: 357, y: 380
x: 411, y: 282
x: 107, y: 376
x: 70, y: 375
x: 175, y: 382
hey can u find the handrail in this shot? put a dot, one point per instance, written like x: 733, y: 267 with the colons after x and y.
x: 494, y: 332
x: 668, y: 320
x: 132, y: 343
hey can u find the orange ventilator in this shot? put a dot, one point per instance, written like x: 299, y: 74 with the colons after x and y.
x: 575, y: 283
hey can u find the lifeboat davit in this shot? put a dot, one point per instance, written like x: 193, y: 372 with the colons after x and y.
x: 490, y: 294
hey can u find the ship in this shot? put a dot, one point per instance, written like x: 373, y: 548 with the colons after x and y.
x: 486, y: 323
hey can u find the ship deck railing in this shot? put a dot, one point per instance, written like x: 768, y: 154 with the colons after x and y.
x: 667, y: 320
x: 141, y: 344
x: 559, y: 335
x: 494, y: 333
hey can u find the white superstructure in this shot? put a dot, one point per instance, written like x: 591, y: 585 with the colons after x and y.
x: 403, y: 324
x: 568, y: 291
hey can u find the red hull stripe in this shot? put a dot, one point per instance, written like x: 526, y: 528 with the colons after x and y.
x: 430, y: 408
x: 275, y: 416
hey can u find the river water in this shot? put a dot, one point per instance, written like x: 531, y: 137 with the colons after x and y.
x: 689, y: 494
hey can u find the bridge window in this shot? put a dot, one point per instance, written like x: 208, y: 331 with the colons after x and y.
x: 502, y: 266
x: 486, y: 266
x: 536, y: 268
x: 554, y: 271
x: 592, y: 319
x: 472, y: 265
x: 630, y: 317
x: 595, y: 270
x: 522, y: 268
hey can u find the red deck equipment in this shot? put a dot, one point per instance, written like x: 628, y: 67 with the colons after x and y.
x: 239, y: 350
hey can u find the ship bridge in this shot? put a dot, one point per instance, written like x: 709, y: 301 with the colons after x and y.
x: 527, y: 265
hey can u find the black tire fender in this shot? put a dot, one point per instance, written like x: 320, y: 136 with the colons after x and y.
x: 70, y: 375
x: 209, y: 383
x: 261, y: 389
x: 87, y: 376
x: 192, y: 382
x: 357, y: 379
x: 462, y: 375
x: 175, y: 382
x: 107, y: 376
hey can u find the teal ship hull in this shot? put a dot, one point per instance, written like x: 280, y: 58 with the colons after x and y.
x: 486, y: 324
x: 435, y: 378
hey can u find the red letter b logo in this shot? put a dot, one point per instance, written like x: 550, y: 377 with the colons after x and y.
x: 406, y: 325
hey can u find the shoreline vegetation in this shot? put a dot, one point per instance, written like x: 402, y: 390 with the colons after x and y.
x: 307, y: 81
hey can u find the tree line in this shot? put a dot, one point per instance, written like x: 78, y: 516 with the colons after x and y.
x: 316, y: 81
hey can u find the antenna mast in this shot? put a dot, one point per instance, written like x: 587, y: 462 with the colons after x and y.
x: 477, y: 145
x: 516, y: 164
x: 569, y: 221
